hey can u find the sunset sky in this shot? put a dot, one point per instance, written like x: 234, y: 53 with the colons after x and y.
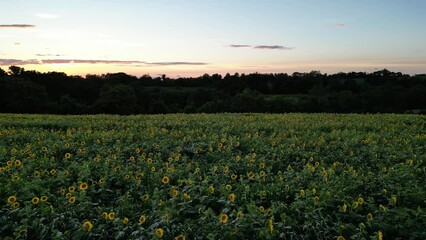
x: 190, y: 38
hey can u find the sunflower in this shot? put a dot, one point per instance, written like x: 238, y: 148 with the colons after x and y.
x: 232, y: 197
x: 302, y: 192
x: 234, y: 176
x: 83, y: 186
x: 35, y: 200
x: 145, y: 197
x: 104, y: 215
x: 18, y: 163
x: 211, y: 189
x: 159, y: 232
x: 87, y: 225
x: 11, y: 199
x: 175, y: 193
x: 369, y: 216
x: 15, y: 205
x: 379, y: 235
x: 223, y: 218
x: 36, y: 174
x: 271, y: 225
x: 340, y: 238
x: 142, y: 219
x: 111, y: 215
x: 316, y: 198
x: 250, y: 175
x: 355, y: 205
x: 187, y: 196
x: 71, y: 189
x: 180, y: 237
x: 125, y: 220
x: 43, y: 198
x: 360, y: 200
x: 71, y: 200
x: 67, y: 155
x: 101, y: 181
x: 394, y: 199
x: 344, y: 207
x: 165, y: 180
x: 228, y: 187
x: 262, y: 174
x: 15, y: 177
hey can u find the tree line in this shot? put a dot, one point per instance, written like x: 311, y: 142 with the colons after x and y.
x: 29, y: 91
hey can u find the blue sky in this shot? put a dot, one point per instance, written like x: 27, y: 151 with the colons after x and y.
x: 189, y: 38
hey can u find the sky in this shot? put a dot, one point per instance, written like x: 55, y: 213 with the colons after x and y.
x: 182, y: 38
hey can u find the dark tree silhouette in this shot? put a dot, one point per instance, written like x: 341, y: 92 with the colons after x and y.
x: 119, y: 93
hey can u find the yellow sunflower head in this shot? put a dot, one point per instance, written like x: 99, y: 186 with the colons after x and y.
x: 223, y: 218
x: 87, y: 225
x: 159, y: 232
x: 35, y: 200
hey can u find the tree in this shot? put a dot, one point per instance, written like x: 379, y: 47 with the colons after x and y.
x: 16, y: 71
x: 2, y: 72
x: 116, y: 99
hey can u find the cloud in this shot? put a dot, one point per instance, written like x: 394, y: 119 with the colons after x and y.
x: 272, y: 47
x: 176, y: 63
x: 46, y: 16
x: 17, y: 26
x: 336, y: 25
x: 8, y: 62
x: 4, y: 62
x: 48, y: 55
x: 90, y: 61
x: 239, y: 45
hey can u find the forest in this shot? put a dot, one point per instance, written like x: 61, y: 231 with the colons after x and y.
x: 29, y: 91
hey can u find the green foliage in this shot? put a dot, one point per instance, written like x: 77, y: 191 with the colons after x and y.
x: 26, y: 91
x: 292, y: 176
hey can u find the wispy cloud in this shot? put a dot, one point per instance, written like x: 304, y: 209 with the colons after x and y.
x: 8, y: 62
x: 273, y: 47
x: 87, y: 61
x: 48, y: 55
x: 240, y: 45
x: 4, y: 62
x: 337, y: 25
x: 340, y: 25
x: 17, y: 26
x: 46, y: 16
x: 176, y: 63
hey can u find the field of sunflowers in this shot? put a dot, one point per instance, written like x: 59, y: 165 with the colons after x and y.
x: 222, y: 176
